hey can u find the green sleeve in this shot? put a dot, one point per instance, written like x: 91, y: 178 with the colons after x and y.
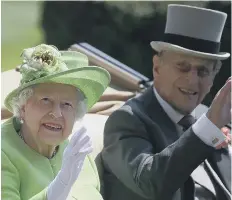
x: 87, y: 185
x: 94, y: 167
x: 11, y: 182
x: 40, y: 196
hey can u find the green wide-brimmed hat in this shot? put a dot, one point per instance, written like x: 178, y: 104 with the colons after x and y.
x: 45, y: 63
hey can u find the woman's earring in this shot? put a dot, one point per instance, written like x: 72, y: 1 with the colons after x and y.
x: 21, y: 120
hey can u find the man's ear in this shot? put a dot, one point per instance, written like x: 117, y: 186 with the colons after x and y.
x: 218, y: 65
x: 156, y: 65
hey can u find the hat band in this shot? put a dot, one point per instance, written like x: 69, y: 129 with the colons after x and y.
x: 195, y: 44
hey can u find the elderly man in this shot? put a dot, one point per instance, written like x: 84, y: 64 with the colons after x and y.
x: 153, y: 147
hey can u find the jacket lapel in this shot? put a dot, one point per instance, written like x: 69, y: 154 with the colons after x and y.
x: 158, y: 115
x: 214, y: 165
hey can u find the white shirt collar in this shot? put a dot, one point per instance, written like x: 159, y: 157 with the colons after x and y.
x: 170, y: 111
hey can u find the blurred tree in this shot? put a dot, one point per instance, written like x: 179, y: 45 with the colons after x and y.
x: 123, y: 30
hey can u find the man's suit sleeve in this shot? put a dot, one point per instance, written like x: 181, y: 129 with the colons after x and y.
x: 130, y: 156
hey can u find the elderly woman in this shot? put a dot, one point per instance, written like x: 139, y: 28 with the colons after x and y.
x: 56, y: 90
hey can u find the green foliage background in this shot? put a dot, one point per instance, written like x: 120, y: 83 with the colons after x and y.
x: 122, y: 29
x: 20, y: 29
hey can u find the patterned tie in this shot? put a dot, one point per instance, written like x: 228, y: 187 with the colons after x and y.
x: 187, y: 121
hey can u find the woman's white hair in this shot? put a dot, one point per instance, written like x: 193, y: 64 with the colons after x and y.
x: 23, y: 96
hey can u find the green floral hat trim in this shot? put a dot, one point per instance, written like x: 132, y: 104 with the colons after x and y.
x: 45, y: 63
x: 40, y: 61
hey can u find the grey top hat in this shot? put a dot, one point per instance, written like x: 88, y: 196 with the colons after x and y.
x: 193, y: 30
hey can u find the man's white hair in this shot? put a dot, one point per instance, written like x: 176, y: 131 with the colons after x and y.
x: 21, y: 99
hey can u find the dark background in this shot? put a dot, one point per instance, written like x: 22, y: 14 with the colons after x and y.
x: 123, y: 30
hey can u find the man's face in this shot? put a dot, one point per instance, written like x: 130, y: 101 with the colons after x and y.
x: 183, y: 80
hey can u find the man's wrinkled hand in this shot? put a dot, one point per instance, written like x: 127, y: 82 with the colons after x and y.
x: 219, y: 112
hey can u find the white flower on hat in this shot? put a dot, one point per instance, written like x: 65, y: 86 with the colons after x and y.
x: 41, y: 56
x: 40, y: 61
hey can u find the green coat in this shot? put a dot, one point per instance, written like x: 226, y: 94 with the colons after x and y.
x: 26, y: 173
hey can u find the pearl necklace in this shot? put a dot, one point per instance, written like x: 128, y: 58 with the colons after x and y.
x: 21, y: 136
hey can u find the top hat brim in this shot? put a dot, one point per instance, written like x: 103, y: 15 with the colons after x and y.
x: 164, y: 46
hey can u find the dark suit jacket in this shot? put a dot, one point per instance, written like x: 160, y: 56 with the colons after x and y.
x: 144, y: 157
